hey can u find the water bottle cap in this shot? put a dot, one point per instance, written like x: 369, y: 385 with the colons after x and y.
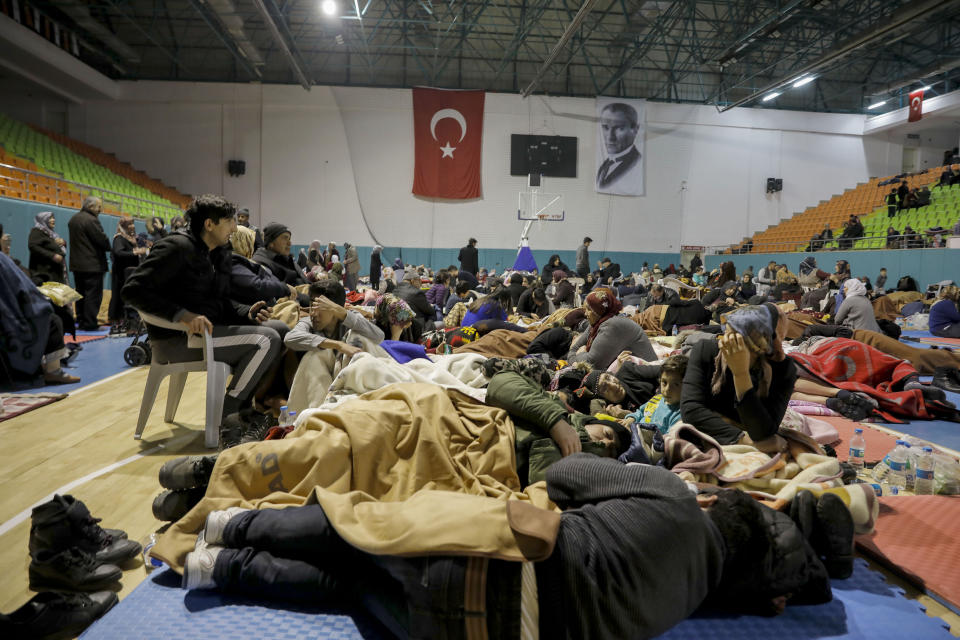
x: 283, y: 408
x: 894, y: 491
x: 928, y: 449
x: 293, y: 413
x: 906, y: 444
x: 858, y: 430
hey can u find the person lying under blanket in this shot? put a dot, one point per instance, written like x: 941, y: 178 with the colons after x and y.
x: 604, y: 578
x: 546, y: 428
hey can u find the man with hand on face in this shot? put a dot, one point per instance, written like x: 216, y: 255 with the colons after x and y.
x: 275, y: 254
x: 186, y: 279
x: 330, y: 325
x: 622, y: 169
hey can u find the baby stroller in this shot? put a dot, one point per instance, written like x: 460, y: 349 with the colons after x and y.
x: 138, y: 353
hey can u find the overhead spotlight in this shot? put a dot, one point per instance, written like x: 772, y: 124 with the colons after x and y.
x: 329, y: 7
x: 877, y: 104
x: 338, y: 39
x: 771, y: 96
x: 802, y: 81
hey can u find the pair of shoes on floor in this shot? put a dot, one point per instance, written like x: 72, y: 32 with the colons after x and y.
x: 59, y: 377
x: 65, y: 522
x: 947, y: 378
x: 51, y: 615
x: 199, y: 564
x: 852, y: 404
x: 186, y: 480
x: 70, y: 551
x: 256, y: 425
x: 828, y: 525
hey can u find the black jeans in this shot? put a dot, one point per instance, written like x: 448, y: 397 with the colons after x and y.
x: 90, y: 286
x: 296, y: 554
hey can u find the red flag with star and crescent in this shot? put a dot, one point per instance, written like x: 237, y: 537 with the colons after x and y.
x: 448, y: 134
x: 916, y: 105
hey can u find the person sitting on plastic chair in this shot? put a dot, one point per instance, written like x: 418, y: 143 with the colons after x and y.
x: 186, y: 279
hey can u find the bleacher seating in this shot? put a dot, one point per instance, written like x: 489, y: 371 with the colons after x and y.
x: 867, y: 200
x: 64, y: 172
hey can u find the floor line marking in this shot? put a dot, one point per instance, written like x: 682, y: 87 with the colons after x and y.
x: 23, y: 515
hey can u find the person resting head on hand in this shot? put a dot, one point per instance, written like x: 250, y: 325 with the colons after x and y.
x: 394, y: 317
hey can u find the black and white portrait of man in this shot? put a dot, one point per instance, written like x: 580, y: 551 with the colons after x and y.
x: 620, y: 148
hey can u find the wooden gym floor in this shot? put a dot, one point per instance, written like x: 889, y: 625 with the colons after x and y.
x: 83, y: 445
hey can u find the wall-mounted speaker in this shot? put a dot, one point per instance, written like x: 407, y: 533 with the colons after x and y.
x: 236, y: 167
x: 774, y: 185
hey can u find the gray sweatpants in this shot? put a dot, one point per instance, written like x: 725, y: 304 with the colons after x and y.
x: 249, y: 350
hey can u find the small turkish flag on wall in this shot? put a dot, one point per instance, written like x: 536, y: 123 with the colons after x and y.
x: 916, y: 105
x: 448, y: 134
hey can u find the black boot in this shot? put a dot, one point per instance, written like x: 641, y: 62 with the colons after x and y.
x: 947, y: 378
x: 50, y: 615
x: 170, y: 506
x: 187, y: 472
x: 66, y: 522
x: 70, y: 570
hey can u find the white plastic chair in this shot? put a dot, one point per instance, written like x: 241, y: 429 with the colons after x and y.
x: 577, y: 286
x: 217, y: 373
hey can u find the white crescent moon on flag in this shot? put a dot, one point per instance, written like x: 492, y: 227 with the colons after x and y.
x: 448, y: 113
x: 916, y: 100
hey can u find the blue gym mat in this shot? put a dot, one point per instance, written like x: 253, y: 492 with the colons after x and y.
x: 864, y: 606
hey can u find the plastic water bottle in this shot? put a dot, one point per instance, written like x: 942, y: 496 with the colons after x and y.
x: 149, y: 563
x: 884, y: 489
x: 909, y: 470
x: 858, y: 450
x: 284, y: 416
x: 291, y: 418
x: 897, y: 461
x: 924, y: 483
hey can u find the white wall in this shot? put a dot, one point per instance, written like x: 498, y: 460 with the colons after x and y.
x: 317, y: 160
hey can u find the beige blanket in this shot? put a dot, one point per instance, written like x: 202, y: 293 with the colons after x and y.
x: 410, y: 469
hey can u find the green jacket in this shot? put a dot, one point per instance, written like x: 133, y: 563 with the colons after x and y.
x: 534, y: 412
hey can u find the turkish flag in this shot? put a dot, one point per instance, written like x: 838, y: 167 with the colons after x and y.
x: 916, y: 105
x: 447, y: 133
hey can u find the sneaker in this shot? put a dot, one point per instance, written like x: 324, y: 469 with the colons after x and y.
x: 65, y: 522
x: 217, y: 522
x: 256, y: 426
x: 231, y: 431
x: 70, y: 570
x: 59, y: 377
x: 852, y: 404
x: 170, y: 506
x: 929, y: 393
x: 947, y: 378
x: 51, y: 615
x: 187, y: 472
x: 198, y: 567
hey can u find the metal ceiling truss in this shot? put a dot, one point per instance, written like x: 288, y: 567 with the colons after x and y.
x: 722, y: 52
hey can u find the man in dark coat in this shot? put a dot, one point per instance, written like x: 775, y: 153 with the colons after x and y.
x: 89, y: 247
x: 275, y: 254
x: 469, y: 258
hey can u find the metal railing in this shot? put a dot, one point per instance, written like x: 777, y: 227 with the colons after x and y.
x: 918, y: 240
x: 120, y: 202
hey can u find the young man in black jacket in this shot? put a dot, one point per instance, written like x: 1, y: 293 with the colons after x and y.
x: 89, y: 246
x: 186, y: 279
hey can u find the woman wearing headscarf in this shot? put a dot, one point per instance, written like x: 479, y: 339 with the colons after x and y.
x: 250, y: 281
x: 125, y: 255
x: 376, y: 265
x: 564, y: 293
x: 609, y: 334
x: 553, y: 264
x: 741, y: 382
x: 747, y: 288
x: 394, y: 317
x: 328, y: 255
x: 842, y: 271
x: 856, y: 311
x: 313, y: 257
x: 47, y: 250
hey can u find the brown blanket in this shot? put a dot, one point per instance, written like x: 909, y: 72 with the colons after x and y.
x: 409, y: 469
x: 924, y: 360
x: 888, y: 307
x: 501, y: 343
x: 651, y: 319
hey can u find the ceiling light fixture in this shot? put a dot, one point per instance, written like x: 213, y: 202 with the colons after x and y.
x: 770, y: 96
x: 877, y: 104
x: 802, y: 81
x: 926, y: 88
x: 329, y: 7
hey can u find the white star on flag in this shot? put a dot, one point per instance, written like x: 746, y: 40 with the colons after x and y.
x: 447, y: 151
